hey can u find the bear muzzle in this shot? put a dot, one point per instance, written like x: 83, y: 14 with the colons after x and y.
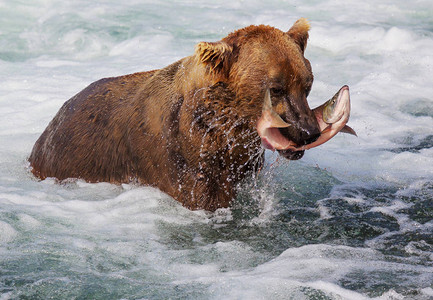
x: 276, y: 134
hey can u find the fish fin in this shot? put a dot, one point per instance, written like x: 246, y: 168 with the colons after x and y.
x: 349, y: 130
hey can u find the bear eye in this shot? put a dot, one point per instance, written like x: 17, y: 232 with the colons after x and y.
x: 276, y: 91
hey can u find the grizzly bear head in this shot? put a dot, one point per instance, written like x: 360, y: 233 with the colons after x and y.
x: 271, y: 79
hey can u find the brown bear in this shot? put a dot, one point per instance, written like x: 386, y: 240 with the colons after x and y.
x: 189, y: 129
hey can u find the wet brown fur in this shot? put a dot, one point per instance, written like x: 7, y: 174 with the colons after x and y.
x: 189, y: 128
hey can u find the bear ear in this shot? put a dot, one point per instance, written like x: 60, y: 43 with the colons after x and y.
x: 299, y: 32
x: 215, y: 55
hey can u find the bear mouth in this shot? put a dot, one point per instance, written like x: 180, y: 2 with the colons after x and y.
x: 272, y: 139
x: 268, y: 128
x: 291, y: 155
x: 270, y: 125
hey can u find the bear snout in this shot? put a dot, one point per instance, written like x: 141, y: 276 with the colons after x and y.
x: 309, y: 137
x: 301, y: 136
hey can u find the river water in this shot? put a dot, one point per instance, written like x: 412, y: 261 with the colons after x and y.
x: 351, y: 220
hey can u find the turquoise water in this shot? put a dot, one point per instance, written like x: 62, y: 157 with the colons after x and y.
x: 351, y: 220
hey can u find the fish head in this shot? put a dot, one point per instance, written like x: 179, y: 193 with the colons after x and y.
x: 332, y: 117
x: 337, y: 107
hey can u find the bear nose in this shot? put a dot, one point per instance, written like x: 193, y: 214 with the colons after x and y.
x: 309, y: 137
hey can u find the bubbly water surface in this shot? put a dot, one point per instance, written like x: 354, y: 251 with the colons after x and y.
x: 351, y: 220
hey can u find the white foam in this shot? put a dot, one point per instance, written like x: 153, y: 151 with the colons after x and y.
x: 391, y: 295
x: 152, y: 44
x: 7, y: 233
x: 428, y: 291
x: 316, y: 266
x: 55, y: 63
x: 28, y: 222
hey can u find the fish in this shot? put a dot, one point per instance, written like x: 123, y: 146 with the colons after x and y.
x: 332, y: 117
